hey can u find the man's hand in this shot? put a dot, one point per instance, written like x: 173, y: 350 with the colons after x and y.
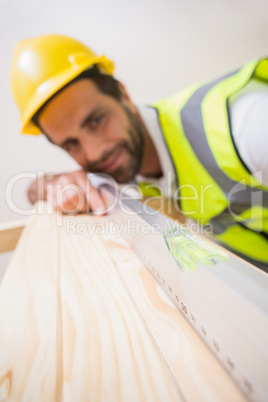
x: 68, y: 193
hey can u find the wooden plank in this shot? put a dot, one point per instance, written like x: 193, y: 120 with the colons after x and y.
x: 195, y: 369
x: 82, y: 319
x: 10, y: 232
x: 9, y: 235
x: 69, y: 330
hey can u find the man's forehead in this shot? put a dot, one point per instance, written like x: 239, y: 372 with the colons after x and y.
x: 78, y: 90
x: 73, y: 101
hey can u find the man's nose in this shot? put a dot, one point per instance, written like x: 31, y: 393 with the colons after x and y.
x: 92, y: 149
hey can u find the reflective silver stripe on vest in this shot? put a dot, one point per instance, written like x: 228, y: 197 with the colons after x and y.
x: 224, y: 220
x: 241, y: 197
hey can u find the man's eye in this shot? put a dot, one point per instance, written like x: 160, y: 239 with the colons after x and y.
x: 96, y: 120
x: 70, y: 146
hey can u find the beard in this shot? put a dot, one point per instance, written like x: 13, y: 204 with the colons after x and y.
x: 133, y: 147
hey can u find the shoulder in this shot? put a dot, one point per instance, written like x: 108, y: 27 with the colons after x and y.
x: 249, y: 124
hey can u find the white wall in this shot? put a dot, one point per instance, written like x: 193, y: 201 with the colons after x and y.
x: 158, y: 46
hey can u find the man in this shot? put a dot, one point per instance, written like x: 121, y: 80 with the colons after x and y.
x: 191, y: 143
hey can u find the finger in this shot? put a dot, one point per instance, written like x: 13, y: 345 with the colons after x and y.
x: 74, y: 202
x: 93, y: 197
x: 104, y: 195
x: 50, y: 198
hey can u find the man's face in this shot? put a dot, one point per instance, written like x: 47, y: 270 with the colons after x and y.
x: 100, y: 133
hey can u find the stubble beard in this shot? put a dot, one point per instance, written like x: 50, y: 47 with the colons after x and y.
x: 134, y: 148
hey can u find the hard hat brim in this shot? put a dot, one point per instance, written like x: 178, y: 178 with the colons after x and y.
x: 48, y: 88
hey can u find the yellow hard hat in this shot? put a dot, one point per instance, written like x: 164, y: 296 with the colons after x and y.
x: 43, y: 65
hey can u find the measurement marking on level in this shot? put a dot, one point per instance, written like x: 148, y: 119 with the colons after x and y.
x: 255, y: 388
x: 215, y: 346
x: 244, y: 384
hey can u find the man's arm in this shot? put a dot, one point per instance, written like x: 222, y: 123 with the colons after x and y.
x: 69, y: 193
x: 249, y: 120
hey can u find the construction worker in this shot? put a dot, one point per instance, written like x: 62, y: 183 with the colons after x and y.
x: 206, y: 144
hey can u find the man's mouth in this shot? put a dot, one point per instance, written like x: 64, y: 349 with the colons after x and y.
x: 112, y: 163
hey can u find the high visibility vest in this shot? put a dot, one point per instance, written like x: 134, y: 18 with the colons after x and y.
x: 215, y: 187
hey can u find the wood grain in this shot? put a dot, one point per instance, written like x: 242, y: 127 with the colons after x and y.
x: 81, y: 319
x: 195, y: 369
x: 68, y: 328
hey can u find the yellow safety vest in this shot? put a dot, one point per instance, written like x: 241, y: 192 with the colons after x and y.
x: 215, y: 186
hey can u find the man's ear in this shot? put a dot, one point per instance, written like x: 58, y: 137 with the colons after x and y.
x: 126, y: 98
